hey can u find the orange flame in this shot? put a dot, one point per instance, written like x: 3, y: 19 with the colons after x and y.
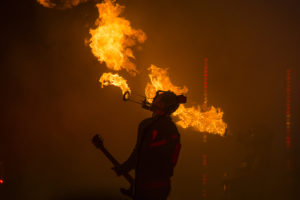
x: 209, y: 120
x: 114, y: 79
x: 47, y: 3
x: 61, y: 4
x: 160, y: 81
x: 113, y: 38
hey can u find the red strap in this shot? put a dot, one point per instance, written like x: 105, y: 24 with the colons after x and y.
x: 154, y: 134
x: 159, y: 143
x: 174, y: 137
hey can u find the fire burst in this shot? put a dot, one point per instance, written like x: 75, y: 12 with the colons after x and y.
x: 113, y: 38
x: 210, y: 120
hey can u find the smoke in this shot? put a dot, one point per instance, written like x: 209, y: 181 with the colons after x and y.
x: 60, y: 4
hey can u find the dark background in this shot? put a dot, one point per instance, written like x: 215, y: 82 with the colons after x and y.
x: 52, y: 103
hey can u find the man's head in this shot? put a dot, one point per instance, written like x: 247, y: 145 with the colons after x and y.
x: 166, y: 102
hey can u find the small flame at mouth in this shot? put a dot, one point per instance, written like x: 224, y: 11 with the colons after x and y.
x: 114, y: 79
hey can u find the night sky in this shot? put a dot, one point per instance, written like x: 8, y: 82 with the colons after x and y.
x: 52, y: 103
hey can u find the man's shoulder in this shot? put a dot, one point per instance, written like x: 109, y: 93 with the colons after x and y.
x: 146, y: 121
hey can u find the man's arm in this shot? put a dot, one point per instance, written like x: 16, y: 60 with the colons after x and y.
x: 131, y: 162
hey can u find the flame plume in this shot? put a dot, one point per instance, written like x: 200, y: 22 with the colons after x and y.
x: 210, y: 121
x: 114, y: 79
x: 160, y: 81
x: 204, y: 121
x: 113, y: 38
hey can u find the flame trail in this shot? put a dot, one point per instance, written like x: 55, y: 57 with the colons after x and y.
x: 114, y: 79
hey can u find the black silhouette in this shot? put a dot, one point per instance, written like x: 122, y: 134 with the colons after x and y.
x: 156, y: 152
x: 98, y: 142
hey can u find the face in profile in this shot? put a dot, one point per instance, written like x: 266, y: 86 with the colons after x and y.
x: 158, y: 105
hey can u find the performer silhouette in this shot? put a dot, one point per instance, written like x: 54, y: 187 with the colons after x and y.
x: 157, y: 149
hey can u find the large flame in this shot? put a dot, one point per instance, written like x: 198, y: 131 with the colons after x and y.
x: 113, y: 38
x: 114, y: 79
x: 209, y: 120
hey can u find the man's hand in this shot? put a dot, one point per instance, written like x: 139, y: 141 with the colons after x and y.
x: 97, y: 141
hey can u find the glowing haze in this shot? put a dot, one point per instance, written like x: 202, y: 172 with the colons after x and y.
x: 111, y: 43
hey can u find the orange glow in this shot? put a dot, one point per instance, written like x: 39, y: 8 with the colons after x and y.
x: 208, y: 120
x: 204, y: 193
x: 205, y: 79
x: 114, y: 79
x: 61, y: 4
x: 204, y: 179
x: 113, y: 38
x: 204, y: 160
x: 46, y: 3
x: 288, y: 137
x: 1, y: 181
x: 288, y: 109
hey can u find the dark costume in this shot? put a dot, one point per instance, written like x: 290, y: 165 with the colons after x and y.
x: 156, y: 152
x: 154, y: 157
